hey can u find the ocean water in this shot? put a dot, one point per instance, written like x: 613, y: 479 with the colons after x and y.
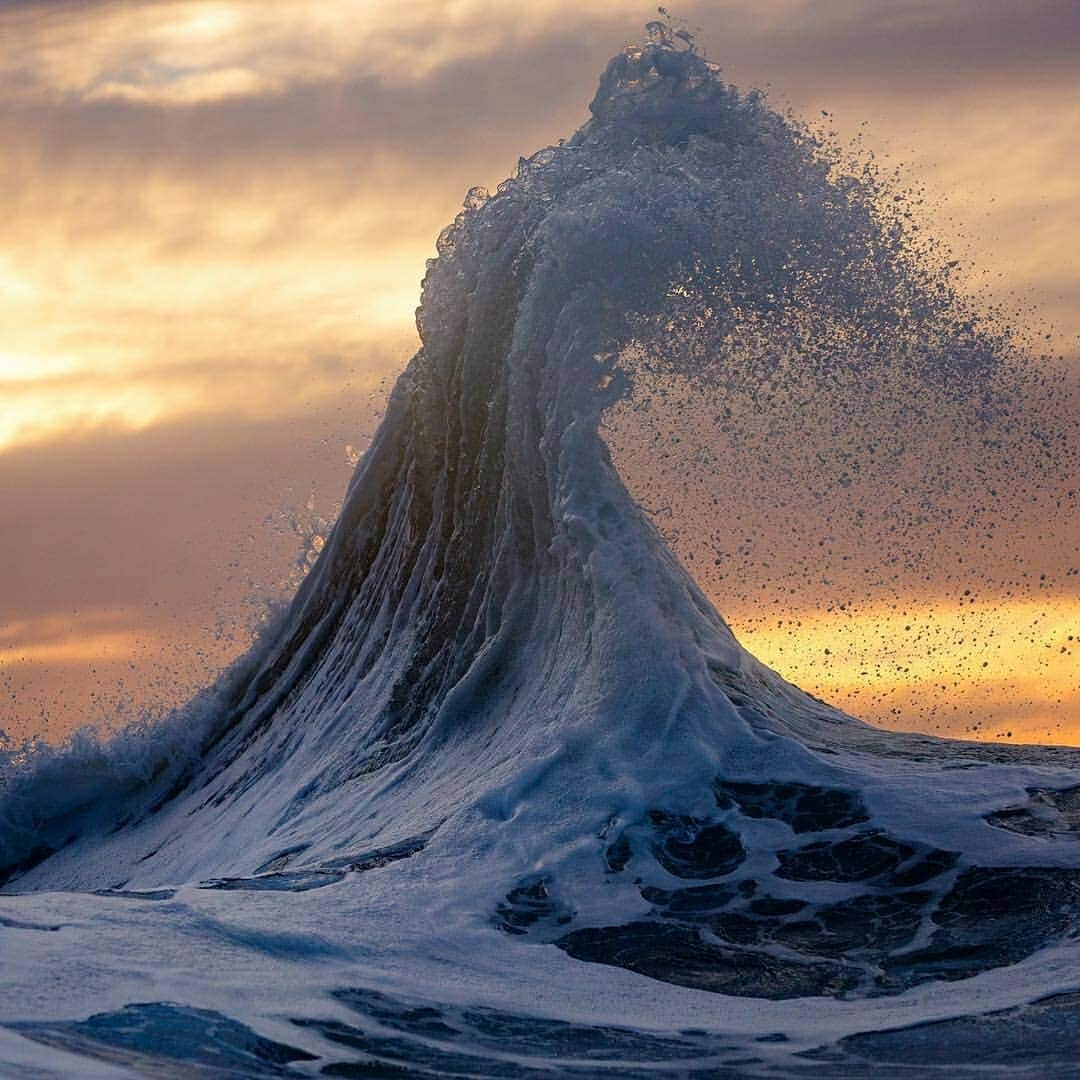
x: 501, y: 794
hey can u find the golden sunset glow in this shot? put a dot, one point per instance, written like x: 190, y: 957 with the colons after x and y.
x: 1018, y: 657
x: 88, y: 648
x: 218, y: 213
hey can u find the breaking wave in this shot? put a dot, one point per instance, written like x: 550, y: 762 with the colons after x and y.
x: 500, y: 689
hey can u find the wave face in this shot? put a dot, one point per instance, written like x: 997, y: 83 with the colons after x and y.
x: 502, y: 743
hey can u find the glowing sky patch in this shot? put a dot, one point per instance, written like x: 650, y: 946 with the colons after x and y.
x: 1013, y: 659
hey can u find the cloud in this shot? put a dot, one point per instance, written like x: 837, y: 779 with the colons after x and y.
x: 329, y: 111
x: 279, y: 66
x: 63, y: 406
x: 122, y: 519
x: 185, y: 88
x: 920, y: 46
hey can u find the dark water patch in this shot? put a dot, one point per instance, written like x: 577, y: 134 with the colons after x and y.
x: 771, y: 906
x: 693, y: 901
x: 690, y: 848
x: 930, y: 864
x: 917, y: 916
x: 531, y: 904
x: 18, y: 924
x: 136, y: 894
x: 35, y: 857
x: 420, y: 1038
x: 617, y: 855
x: 387, y: 1056
x: 420, y: 1058
x: 288, y: 881
x: 762, y: 945
x: 529, y: 1035
x: 1043, y: 1035
x: 870, y: 857
x: 685, y: 846
x: 860, y: 930
x: 421, y: 1070
x: 163, y: 1039
x: 804, y: 807
x: 682, y: 955
x: 415, y: 1019
x: 372, y: 1070
x: 993, y: 917
x: 381, y: 856
x: 864, y: 926
x: 281, y: 859
x: 557, y: 1038
x: 326, y: 873
x: 1051, y: 813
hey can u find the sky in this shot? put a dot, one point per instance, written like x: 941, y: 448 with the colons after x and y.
x: 215, y: 221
